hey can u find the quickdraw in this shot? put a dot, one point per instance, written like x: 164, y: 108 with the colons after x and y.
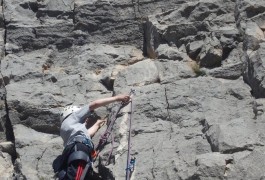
x: 130, y: 168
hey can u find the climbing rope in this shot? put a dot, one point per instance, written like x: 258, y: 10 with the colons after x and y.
x: 130, y: 161
x: 108, y: 132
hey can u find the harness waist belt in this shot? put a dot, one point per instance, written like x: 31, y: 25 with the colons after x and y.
x: 78, y: 155
x: 82, y: 139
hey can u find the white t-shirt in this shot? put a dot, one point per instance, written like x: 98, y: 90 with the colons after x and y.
x: 74, y: 125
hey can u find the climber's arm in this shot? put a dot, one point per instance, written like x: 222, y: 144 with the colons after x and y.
x: 105, y: 101
x: 93, y: 129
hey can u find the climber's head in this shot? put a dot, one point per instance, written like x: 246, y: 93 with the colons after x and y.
x: 67, y: 111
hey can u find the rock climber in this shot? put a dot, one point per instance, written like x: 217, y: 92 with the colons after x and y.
x: 79, y: 121
x: 78, y: 126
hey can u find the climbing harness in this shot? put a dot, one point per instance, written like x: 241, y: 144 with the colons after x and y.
x: 76, y: 161
x: 130, y: 160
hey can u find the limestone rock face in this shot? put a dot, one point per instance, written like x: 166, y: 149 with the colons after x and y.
x: 37, y: 151
x: 197, y: 67
x: 6, y: 167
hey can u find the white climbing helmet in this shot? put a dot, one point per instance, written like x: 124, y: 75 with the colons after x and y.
x: 67, y: 111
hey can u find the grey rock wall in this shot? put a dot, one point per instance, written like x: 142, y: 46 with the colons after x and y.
x: 197, y: 67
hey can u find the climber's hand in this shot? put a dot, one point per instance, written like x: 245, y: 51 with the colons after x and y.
x: 124, y: 98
